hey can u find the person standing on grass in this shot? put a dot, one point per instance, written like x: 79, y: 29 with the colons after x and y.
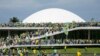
x: 54, y: 52
x: 34, y: 52
x: 78, y: 53
x: 1, y: 53
x: 27, y: 53
x: 18, y: 52
x: 43, y: 53
x: 21, y: 53
x: 13, y: 52
x: 94, y: 54
x: 9, y: 52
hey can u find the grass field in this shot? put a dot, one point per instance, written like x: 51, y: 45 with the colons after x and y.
x: 72, y: 50
x: 83, y: 50
x: 69, y: 51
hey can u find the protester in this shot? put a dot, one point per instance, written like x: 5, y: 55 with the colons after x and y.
x: 78, y: 53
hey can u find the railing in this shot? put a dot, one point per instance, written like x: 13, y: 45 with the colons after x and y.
x: 47, y: 34
x: 47, y: 45
x: 23, y: 28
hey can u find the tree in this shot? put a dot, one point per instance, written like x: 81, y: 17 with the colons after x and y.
x: 14, y: 20
x: 92, y: 22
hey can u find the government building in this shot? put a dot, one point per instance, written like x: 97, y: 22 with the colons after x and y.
x: 50, y: 29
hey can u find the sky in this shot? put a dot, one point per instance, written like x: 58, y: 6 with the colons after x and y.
x: 21, y: 9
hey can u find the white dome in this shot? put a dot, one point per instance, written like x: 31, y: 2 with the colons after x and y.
x: 53, y: 15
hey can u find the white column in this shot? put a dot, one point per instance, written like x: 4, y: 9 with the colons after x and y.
x: 8, y: 33
x: 89, y: 35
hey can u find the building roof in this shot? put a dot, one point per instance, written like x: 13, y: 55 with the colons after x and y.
x: 53, y: 15
x: 84, y: 28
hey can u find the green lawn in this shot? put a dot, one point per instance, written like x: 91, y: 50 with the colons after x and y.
x: 67, y: 50
x: 73, y: 50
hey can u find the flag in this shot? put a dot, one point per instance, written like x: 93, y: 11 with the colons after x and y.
x: 55, y: 51
x: 34, y: 51
x: 65, y: 47
x: 65, y: 28
x: 78, y: 53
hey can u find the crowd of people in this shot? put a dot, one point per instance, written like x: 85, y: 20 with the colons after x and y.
x: 31, y: 24
x: 25, y: 39
x: 36, y: 52
x: 74, y: 24
x: 27, y: 52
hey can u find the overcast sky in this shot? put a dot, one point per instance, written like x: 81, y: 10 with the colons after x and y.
x: 86, y: 9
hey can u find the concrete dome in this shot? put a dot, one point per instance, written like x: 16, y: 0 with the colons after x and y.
x: 53, y: 15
